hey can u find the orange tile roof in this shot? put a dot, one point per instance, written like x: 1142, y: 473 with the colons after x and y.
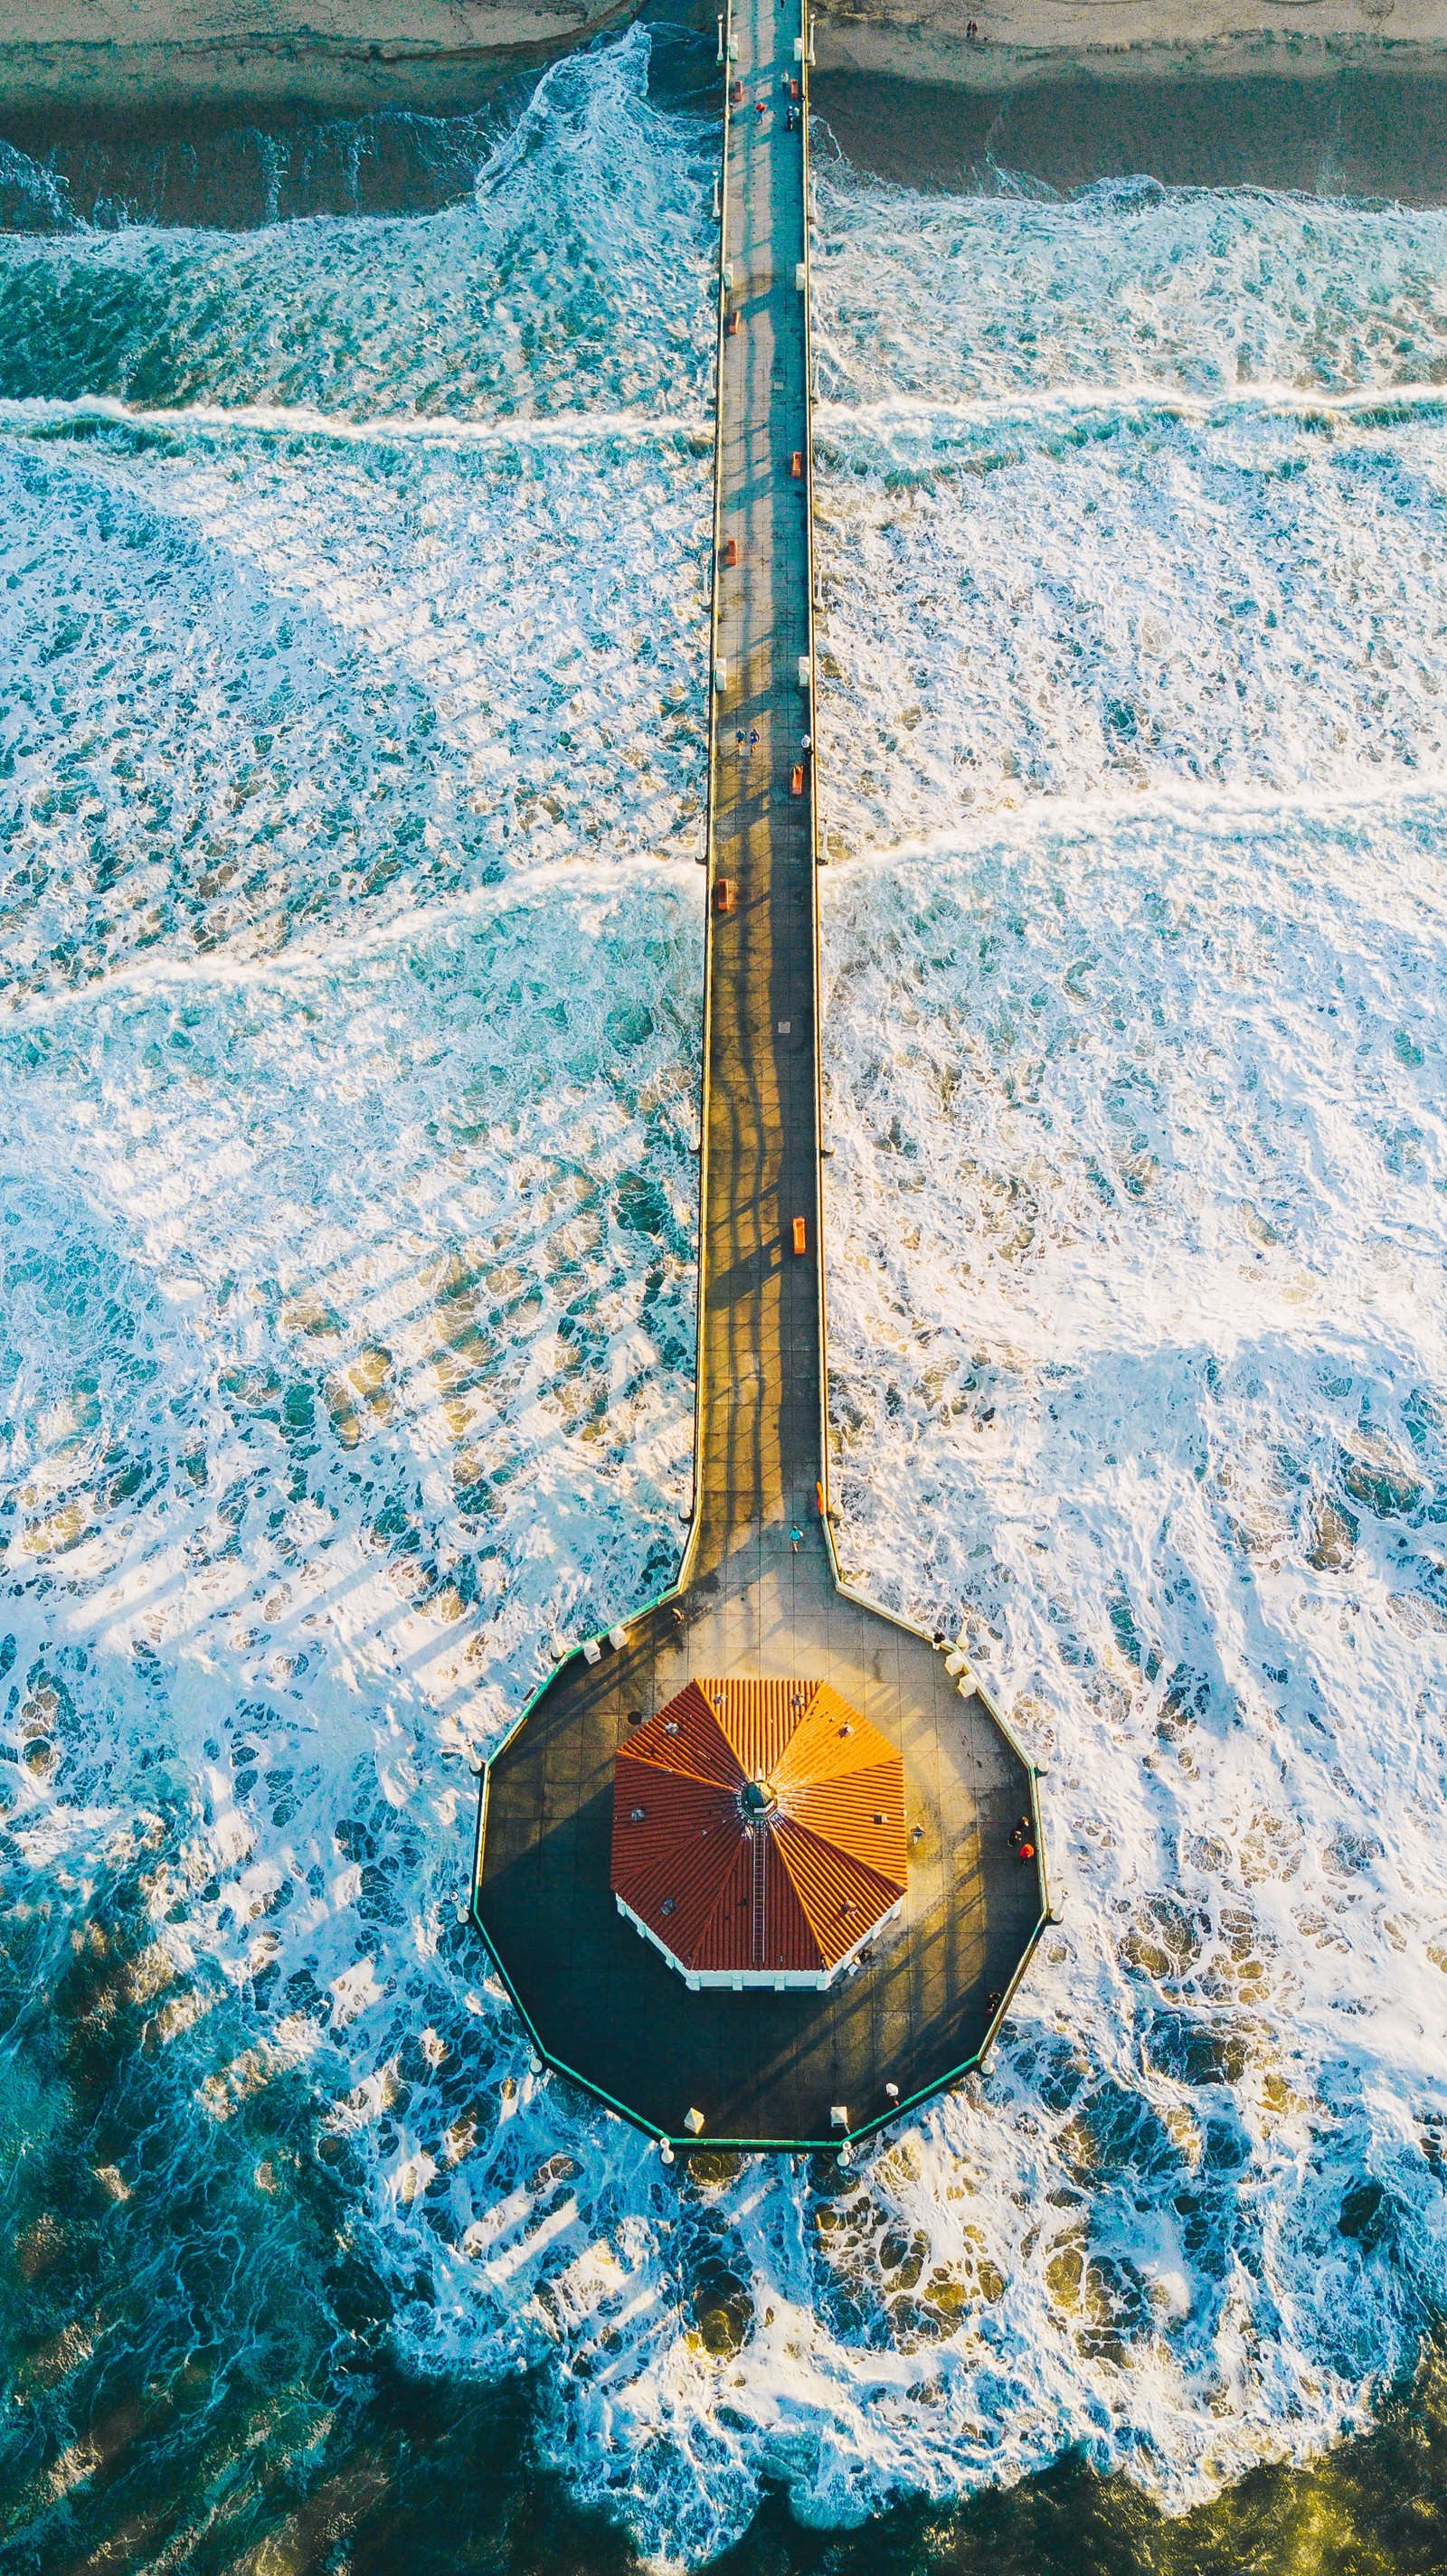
x: 797, y: 1889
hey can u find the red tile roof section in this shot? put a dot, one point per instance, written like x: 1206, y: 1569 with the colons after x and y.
x: 832, y: 1856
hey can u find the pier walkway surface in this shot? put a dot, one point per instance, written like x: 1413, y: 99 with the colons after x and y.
x: 759, y: 1593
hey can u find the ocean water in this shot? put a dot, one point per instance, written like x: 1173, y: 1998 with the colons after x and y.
x: 353, y: 584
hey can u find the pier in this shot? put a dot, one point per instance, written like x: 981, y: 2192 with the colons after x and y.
x: 759, y: 1597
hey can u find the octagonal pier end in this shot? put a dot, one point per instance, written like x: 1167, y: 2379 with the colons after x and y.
x: 761, y: 1865
x: 767, y: 2061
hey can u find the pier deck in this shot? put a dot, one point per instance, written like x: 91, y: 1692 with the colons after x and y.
x: 763, y: 2069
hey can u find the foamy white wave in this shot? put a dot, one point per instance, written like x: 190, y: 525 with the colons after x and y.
x: 1138, y: 1318
x: 316, y: 963
x: 1025, y: 606
x: 1205, y: 290
x: 30, y: 194
x: 444, y: 1072
x: 370, y: 675
x: 347, y: 1355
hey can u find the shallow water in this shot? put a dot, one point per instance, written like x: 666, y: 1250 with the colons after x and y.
x: 354, y: 588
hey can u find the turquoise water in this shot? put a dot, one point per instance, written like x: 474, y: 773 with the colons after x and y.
x: 353, y: 586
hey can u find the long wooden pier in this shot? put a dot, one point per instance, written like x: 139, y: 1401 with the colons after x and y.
x: 758, y: 1592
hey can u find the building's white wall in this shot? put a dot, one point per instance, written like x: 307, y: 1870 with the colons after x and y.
x: 779, y: 1981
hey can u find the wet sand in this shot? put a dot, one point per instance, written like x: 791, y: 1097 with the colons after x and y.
x: 1019, y: 42
x: 1339, y: 133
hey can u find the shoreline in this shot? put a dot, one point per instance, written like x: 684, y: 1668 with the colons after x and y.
x: 1023, y: 43
x: 116, y: 57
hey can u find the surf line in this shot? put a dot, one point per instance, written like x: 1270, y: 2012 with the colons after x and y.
x: 45, y: 416
x: 760, y: 1864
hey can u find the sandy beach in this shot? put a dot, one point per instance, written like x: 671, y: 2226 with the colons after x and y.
x: 117, y: 54
x: 1024, y: 41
